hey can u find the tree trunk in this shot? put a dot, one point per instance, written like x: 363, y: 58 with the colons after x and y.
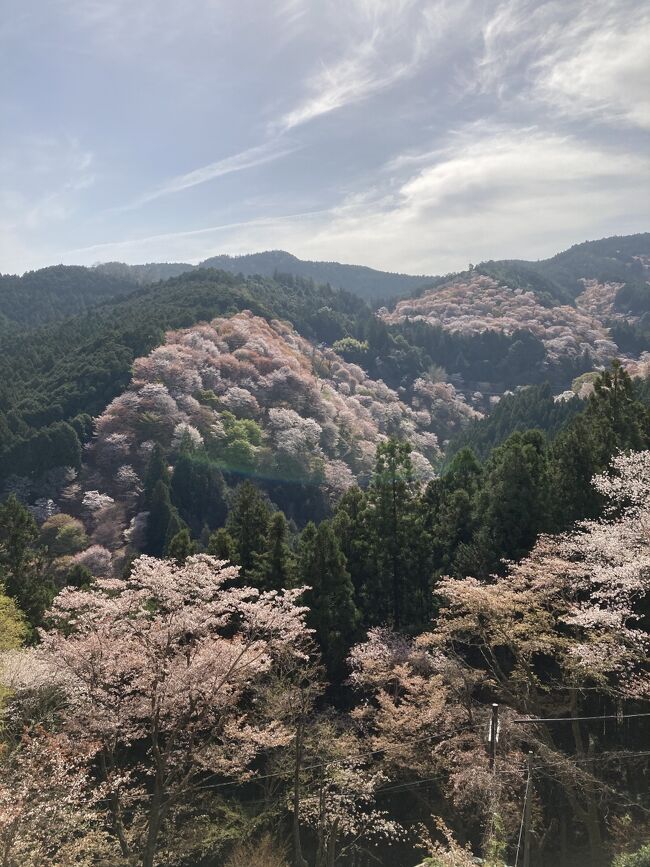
x: 153, y: 830
x: 397, y: 614
x: 297, y: 847
x: 591, y: 818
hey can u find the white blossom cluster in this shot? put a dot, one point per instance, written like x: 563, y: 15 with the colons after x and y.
x: 482, y: 304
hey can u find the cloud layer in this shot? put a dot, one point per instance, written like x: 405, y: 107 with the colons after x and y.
x: 404, y: 134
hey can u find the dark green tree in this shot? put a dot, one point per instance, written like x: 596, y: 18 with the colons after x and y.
x: 161, y: 515
x: 333, y: 614
x: 22, y: 570
x: 351, y: 525
x: 198, y: 491
x: 248, y: 523
x: 449, y: 511
x: 615, y: 419
x: 157, y: 471
x: 397, y: 537
x: 180, y: 546
x: 273, y: 568
x: 222, y: 545
x: 513, y: 503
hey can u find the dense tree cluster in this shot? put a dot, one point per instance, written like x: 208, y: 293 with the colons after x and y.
x: 481, y: 304
x: 255, y: 604
x: 167, y: 714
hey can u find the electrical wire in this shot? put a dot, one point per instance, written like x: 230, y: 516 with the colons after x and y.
x: 523, y: 815
x: 578, y: 718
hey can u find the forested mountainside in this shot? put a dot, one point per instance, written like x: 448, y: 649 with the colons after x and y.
x: 620, y: 262
x: 620, y: 259
x: 54, y: 293
x: 367, y: 283
x: 268, y: 559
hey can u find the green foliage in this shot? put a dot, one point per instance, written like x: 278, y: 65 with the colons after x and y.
x: 180, y: 546
x: 530, y: 407
x: 513, y: 502
x: 248, y: 523
x: 21, y: 568
x: 54, y: 293
x: 351, y: 349
x: 163, y: 522
x: 79, y: 576
x: 222, y: 545
x: 62, y: 534
x: 393, y: 520
x: 237, y: 451
x: 274, y: 566
x: 386, y: 543
x: 13, y: 628
x: 199, y: 492
x: 157, y: 471
x: 614, y: 419
x: 332, y: 612
x: 640, y: 858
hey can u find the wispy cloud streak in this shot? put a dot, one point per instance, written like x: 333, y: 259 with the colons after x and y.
x: 248, y: 159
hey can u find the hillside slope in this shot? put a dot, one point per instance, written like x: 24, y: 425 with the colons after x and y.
x: 623, y: 259
x: 51, y: 294
x: 477, y: 303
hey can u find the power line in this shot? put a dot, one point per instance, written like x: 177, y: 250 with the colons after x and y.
x: 619, y: 754
x: 345, y: 759
x: 578, y: 718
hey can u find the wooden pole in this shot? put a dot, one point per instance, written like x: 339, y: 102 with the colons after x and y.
x: 494, y: 725
x: 528, y: 811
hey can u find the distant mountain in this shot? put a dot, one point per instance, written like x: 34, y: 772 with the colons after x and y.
x: 367, y: 283
x: 151, y: 272
x: 54, y: 293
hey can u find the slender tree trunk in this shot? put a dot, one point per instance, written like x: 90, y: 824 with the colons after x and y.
x: 397, y: 614
x: 153, y: 830
x: 591, y: 818
x: 331, y: 844
x: 297, y: 847
x: 105, y: 761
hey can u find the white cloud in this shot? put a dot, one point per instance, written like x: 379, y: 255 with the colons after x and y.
x: 247, y: 159
x: 387, y: 42
x: 578, y: 58
x: 607, y: 75
x: 491, y: 193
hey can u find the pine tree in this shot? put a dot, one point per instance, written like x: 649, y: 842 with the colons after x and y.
x: 222, y: 545
x: 21, y: 565
x: 397, y: 536
x: 161, y: 513
x: 157, y: 471
x: 180, y: 547
x: 513, y: 505
x: 248, y: 523
x: 198, y: 491
x: 333, y: 614
x: 274, y: 566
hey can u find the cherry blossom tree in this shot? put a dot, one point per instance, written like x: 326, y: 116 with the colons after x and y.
x: 47, y: 803
x: 164, y: 674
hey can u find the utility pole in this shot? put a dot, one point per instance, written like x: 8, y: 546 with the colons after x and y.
x: 527, y: 810
x: 494, y: 726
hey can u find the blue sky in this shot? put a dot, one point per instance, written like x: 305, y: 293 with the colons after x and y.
x: 410, y: 136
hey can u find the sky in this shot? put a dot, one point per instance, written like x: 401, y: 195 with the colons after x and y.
x: 410, y: 136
